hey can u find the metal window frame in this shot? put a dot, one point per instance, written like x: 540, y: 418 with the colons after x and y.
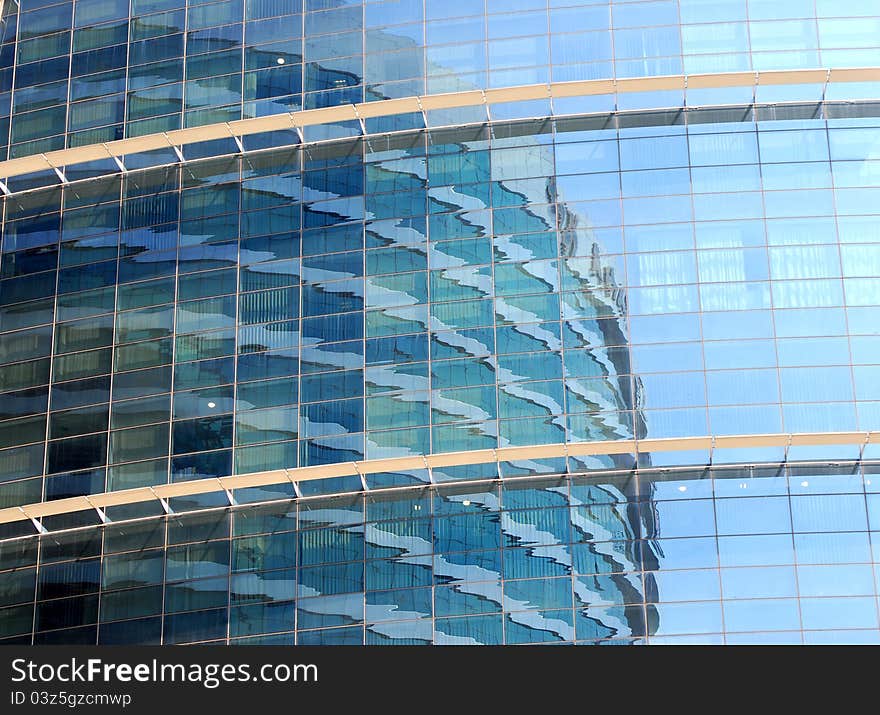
x: 163, y: 492
x: 235, y: 130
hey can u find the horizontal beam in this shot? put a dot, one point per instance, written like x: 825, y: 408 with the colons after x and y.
x: 431, y: 461
x: 451, y: 100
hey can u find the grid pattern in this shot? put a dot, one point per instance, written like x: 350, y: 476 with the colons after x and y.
x: 76, y: 73
x: 440, y: 292
x: 774, y: 555
x: 647, y: 275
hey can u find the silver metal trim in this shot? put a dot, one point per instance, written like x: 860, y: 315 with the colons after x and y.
x: 427, y: 103
x: 163, y: 492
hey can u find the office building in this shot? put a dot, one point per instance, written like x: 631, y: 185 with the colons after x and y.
x: 439, y: 321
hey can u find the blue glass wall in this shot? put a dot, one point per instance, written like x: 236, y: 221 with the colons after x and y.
x: 440, y: 292
x: 591, y: 277
x: 734, y: 556
x: 97, y: 70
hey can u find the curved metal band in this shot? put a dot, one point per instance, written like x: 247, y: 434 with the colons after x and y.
x: 473, y: 457
x: 427, y: 103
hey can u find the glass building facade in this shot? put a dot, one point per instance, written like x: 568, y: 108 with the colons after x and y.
x: 608, y: 269
x: 92, y: 71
